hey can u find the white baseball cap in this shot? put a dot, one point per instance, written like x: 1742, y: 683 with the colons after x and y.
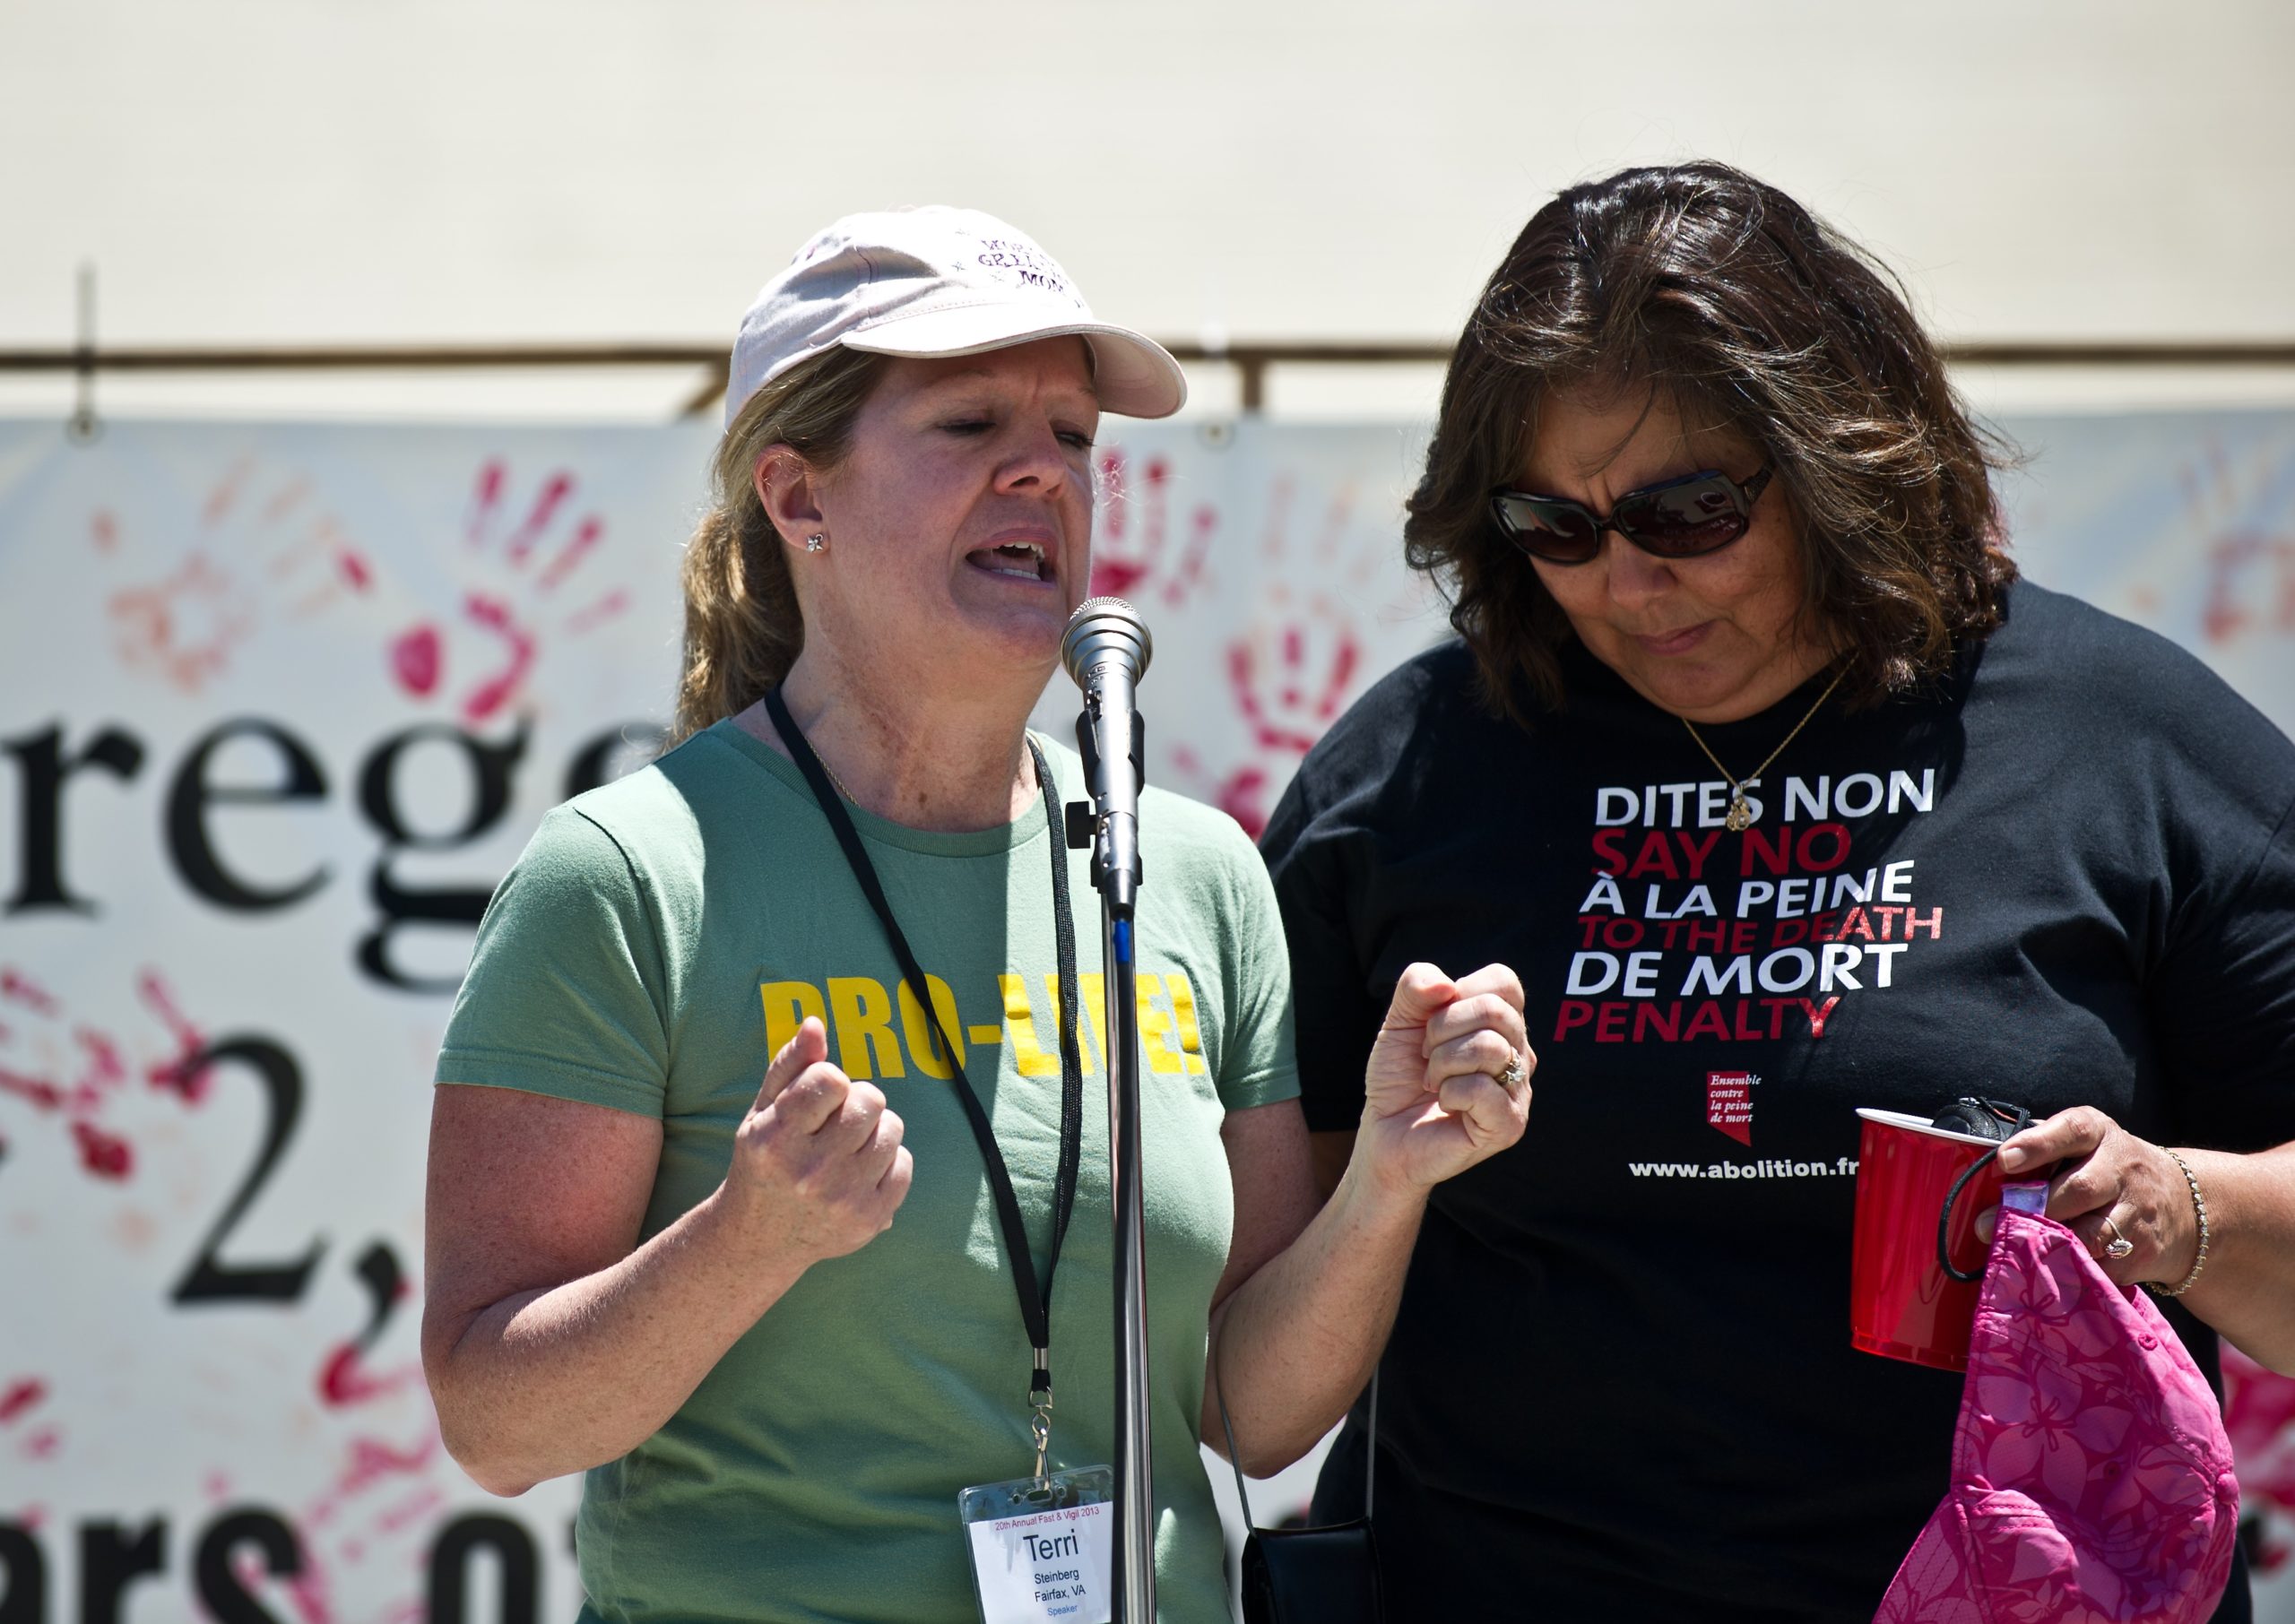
x: 937, y: 281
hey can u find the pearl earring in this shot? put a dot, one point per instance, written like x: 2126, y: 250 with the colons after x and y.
x: 816, y: 541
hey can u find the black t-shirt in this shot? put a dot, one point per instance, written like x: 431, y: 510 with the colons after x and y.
x: 1621, y: 1384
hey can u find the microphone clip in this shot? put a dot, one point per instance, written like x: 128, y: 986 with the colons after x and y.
x: 1114, y: 839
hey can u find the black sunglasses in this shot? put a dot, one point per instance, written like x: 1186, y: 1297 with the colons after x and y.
x: 1684, y: 518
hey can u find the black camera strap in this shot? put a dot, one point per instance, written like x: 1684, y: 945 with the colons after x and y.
x: 1998, y: 1120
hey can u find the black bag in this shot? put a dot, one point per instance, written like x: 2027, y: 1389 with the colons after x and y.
x: 1311, y: 1576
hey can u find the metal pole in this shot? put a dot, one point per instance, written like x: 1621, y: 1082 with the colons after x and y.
x: 1106, y: 649
x: 1135, y: 1478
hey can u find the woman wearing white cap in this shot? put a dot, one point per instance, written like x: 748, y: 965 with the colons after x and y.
x: 783, y: 1329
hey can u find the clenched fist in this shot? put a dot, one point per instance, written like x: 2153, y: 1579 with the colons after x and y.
x: 819, y: 1169
x: 1438, y: 1097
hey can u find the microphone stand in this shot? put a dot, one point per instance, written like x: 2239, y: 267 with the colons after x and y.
x: 1116, y: 875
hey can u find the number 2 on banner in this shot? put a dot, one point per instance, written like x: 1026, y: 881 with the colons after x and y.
x: 210, y: 1279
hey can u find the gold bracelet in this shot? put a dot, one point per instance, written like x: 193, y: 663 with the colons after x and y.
x: 2199, y: 1206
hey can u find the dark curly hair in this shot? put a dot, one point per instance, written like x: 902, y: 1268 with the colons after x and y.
x: 1724, y: 295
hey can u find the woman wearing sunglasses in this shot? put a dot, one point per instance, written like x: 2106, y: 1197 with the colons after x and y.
x: 1786, y: 796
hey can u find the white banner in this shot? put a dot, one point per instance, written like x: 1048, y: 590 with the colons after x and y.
x: 278, y: 705
x: 2181, y: 521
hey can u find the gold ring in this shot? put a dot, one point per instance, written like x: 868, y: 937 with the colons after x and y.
x: 2119, y: 1246
x: 1511, y: 1075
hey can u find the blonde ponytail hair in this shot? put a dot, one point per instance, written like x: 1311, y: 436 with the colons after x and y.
x: 743, y: 627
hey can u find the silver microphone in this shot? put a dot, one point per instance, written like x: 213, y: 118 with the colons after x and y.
x: 1106, y: 649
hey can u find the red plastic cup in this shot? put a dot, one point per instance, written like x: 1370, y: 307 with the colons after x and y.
x: 1901, y: 1304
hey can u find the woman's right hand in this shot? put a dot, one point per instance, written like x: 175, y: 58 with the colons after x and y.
x: 1433, y: 1105
x: 819, y: 1169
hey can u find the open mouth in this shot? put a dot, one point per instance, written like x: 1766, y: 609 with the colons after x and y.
x: 1026, y: 560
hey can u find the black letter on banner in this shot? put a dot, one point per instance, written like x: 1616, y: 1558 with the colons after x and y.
x: 40, y: 816
x: 490, y: 767
x: 226, y: 1599
x: 386, y: 1283
x: 622, y: 749
x: 450, y: 1555
x: 207, y: 1280
x: 25, y: 1601
x: 190, y: 795
x: 109, y: 1563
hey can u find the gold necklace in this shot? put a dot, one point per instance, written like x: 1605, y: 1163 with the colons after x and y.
x: 1741, y: 815
x: 834, y: 779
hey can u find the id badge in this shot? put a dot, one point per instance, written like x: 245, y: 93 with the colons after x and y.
x: 1043, y: 1549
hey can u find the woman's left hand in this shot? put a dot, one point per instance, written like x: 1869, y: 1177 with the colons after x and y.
x: 1439, y: 1092
x: 2111, y: 1185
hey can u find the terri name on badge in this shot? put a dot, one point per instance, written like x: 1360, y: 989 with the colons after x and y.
x: 1046, y: 1567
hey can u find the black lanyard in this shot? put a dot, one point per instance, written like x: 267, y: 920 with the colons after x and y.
x: 1036, y: 1300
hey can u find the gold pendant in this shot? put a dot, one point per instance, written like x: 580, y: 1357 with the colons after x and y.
x: 1740, y: 817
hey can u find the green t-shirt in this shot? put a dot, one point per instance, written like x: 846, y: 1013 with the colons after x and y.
x: 658, y: 941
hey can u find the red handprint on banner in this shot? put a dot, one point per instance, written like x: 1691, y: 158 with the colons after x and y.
x: 1291, y: 679
x: 262, y: 545
x: 1131, y: 541
x: 2250, y: 549
x: 380, y: 1501
x: 1295, y: 665
x: 2237, y: 602
x: 1294, y: 671
x: 387, y: 1521
x: 385, y: 1492
x: 495, y: 635
x: 69, y: 1073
